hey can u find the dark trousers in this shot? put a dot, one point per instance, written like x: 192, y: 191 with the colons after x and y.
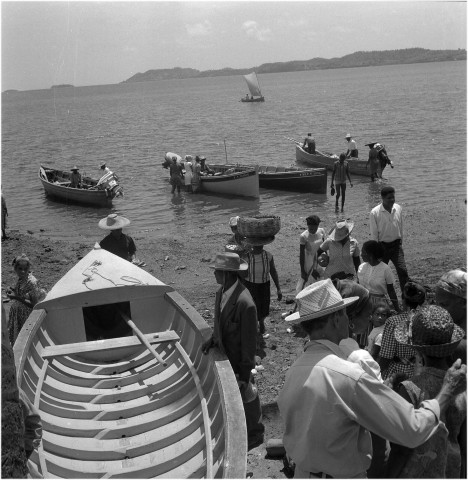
x: 340, y: 191
x: 378, y: 466
x: 394, y: 251
x: 253, y: 420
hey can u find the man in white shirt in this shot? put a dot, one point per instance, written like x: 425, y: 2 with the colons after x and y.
x: 328, y: 405
x: 352, y: 147
x: 386, y: 227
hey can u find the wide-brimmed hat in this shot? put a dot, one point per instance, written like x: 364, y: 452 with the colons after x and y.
x: 348, y: 135
x: 202, y: 158
x: 102, y: 164
x: 74, y: 168
x: 258, y: 241
x: 188, y: 158
x: 113, y: 222
x: 431, y: 330
x: 342, y: 229
x: 371, y: 145
x: 318, y: 300
x: 233, y: 221
x: 230, y: 262
x: 454, y: 282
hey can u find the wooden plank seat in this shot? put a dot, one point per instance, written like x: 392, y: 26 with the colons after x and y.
x: 109, y: 344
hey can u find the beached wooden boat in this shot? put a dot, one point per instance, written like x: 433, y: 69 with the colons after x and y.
x: 312, y: 180
x: 232, y: 180
x: 254, y: 88
x: 327, y: 160
x: 56, y: 183
x: 112, y: 360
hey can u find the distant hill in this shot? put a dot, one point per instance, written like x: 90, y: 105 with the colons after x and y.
x: 357, y: 59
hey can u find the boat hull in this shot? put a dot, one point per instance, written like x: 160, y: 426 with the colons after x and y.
x: 99, y: 197
x: 249, y: 100
x: 311, y: 180
x: 109, y: 406
x: 356, y: 166
x: 243, y: 182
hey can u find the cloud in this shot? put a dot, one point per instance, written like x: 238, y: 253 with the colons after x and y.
x: 199, y: 29
x: 253, y: 29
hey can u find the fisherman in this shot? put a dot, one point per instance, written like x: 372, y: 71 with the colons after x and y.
x: 352, y: 148
x: 104, y: 169
x: 205, y: 169
x: 117, y: 242
x: 340, y: 171
x: 75, y: 178
x: 373, y: 162
x: 381, y: 154
x: 310, y: 142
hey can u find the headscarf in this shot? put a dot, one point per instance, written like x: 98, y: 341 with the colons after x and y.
x: 454, y: 282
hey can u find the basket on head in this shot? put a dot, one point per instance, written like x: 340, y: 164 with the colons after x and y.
x: 259, y: 226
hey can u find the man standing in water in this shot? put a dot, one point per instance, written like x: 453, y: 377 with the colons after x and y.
x: 341, y: 171
x: 386, y: 227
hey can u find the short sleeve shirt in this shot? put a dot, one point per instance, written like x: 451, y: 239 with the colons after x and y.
x: 376, y: 278
x: 341, y: 256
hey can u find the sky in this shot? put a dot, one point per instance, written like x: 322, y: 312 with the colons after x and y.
x: 96, y: 43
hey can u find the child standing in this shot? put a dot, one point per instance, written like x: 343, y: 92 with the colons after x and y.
x: 25, y: 295
x: 378, y: 318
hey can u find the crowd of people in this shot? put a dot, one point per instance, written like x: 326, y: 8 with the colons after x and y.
x: 382, y: 377
x: 185, y: 173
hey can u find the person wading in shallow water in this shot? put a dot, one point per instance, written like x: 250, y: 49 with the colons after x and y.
x: 340, y: 172
x: 235, y: 334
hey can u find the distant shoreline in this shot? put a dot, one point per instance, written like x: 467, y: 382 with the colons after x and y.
x: 354, y: 60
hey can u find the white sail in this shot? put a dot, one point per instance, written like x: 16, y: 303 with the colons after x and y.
x: 252, y: 83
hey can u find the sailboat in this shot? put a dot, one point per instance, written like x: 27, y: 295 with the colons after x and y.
x: 254, y: 87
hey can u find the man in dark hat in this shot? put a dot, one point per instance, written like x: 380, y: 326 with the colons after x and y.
x: 235, y: 332
x: 75, y: 178
x: 329, y: 405
x: 117, y: 242
x: 309, y: 142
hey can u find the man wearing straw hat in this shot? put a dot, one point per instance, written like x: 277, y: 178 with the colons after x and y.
x: 75, y: 178
x: 117, y: 242
x: 328, y: 404
x: 235, y: 334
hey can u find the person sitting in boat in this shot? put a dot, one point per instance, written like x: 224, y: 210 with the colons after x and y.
x: 105, y: 170
x: 246, y: 96
x: 309, y: 141
x: 205, y: 169
x: 352, y: 147
x: 117, y: 242
x: 75, y: 178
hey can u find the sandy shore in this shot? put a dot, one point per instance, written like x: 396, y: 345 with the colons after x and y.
x: 435, y: 241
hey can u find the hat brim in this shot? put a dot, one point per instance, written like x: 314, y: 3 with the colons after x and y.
x: 120, y: 223
x: 297, y: 318
x: 257, y: 241
x: 242, y: 267
x: 441, y: 350
x: 333, y: 233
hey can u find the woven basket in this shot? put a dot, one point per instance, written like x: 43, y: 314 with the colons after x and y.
x: 259, y: 226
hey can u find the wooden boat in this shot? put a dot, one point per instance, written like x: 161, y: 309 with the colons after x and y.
x: 327, y: 160
x: 56, y: 183
x: 231, y: 180
x: 312, y: 180
x: 254, y: 88
x: 112, y: 360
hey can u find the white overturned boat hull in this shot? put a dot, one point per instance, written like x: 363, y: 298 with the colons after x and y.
x: 110, y: 407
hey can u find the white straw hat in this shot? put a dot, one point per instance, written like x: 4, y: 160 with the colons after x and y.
x: 113, y: 222
x: 342, y: 229
x: 318, y: 300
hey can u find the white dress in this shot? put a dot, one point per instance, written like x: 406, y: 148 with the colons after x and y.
x: 311, y: 242
x: 188, y: 173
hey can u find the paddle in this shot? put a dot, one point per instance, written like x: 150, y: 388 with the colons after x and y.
x: 142, y: 338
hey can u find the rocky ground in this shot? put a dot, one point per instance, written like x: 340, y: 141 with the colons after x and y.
x: 435, y: 241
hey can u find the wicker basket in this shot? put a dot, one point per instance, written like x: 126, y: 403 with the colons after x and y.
x: 259, y: 226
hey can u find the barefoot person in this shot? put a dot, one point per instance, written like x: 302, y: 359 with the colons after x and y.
x: 235, y: 334
x: 340, y: 172
x: 328, y: 405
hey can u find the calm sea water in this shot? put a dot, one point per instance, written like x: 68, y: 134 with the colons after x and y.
x: 417, y: 111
